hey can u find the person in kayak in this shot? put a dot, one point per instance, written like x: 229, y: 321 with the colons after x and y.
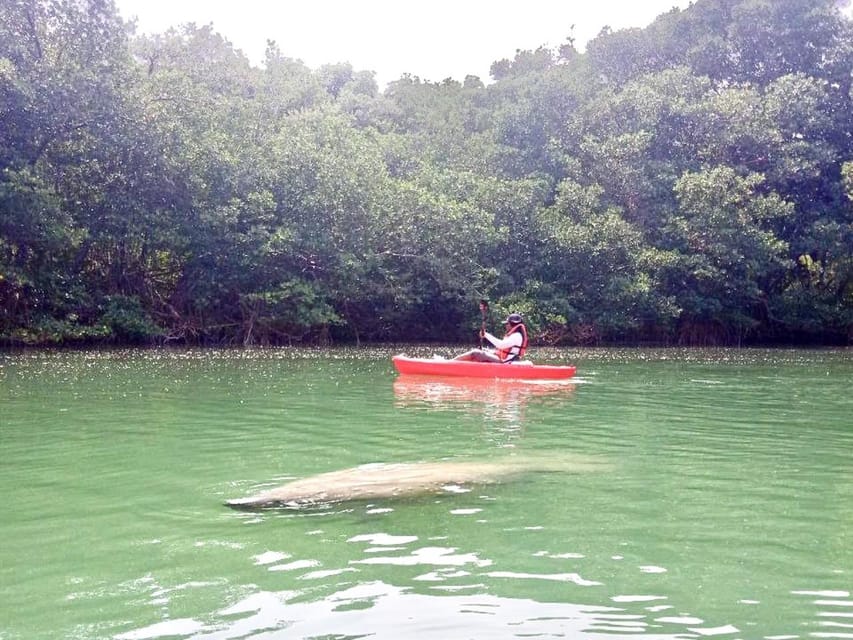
x: 507, y: 349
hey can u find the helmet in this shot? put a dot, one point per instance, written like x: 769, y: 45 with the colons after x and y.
x: 514, y: 318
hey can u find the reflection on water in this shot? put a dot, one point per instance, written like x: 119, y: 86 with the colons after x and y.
x: 383, y: 611
x: 501, y: 402
x: 384, y: 585
x: 456, y: 603
x: 447, y: 392
x: 452, y: 593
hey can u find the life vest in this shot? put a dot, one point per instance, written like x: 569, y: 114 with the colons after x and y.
x: 514, y: 353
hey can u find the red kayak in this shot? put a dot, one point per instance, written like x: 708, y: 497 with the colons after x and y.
x: 513, y: 371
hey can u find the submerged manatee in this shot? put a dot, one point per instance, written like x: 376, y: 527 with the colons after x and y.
x: 390, y: 480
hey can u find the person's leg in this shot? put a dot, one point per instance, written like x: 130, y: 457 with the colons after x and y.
x: 478, y: 355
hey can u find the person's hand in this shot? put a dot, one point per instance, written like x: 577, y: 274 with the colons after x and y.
x: 482, y: 333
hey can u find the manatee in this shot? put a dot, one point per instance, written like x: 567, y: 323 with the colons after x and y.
x: 395, y: 480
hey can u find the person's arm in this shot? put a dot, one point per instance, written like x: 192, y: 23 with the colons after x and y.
x: 514, y: 340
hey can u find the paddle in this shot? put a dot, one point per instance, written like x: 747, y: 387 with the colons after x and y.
x: 484, y: 310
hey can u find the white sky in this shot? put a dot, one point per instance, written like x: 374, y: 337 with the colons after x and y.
x: 433, y: 39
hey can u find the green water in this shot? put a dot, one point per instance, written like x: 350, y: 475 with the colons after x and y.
x: 724, y: 509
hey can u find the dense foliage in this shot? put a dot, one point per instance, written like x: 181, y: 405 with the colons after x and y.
x: 691, y: 182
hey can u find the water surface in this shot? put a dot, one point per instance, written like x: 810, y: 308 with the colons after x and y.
x: 725, y: 507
